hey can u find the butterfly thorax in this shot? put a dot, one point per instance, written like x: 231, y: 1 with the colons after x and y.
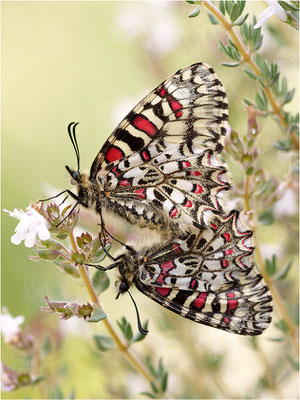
x: 127, y: 271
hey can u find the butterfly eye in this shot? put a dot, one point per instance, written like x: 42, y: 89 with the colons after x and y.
x: 76, y: 176
x: 123, y: 287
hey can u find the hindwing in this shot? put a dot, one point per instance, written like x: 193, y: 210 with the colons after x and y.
x: 208, y: 277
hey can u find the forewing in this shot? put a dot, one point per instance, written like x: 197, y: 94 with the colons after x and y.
x: 190, y: 106
x: 209, y: 278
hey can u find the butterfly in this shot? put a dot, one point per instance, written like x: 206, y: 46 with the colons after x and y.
x: 161, y: 167
x: 207, y: 276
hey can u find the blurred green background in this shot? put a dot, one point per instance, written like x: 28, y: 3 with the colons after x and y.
x: 90, y: 62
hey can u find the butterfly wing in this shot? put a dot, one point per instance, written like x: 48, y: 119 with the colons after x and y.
x: 187, y: 185
x: 208, y: 277
x: 190, y: 106
x: 161, y: 164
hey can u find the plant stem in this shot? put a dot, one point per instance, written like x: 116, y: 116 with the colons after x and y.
x: 273, y: 289
x: 120, y: 345
x: 246, y: 58
x: 277, y: 298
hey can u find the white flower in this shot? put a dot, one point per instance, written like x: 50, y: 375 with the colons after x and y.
x: 31, y: 225
x: 10, y: 325
x: 287, y: 205
x: 273, y: 9
x: 154, y: 23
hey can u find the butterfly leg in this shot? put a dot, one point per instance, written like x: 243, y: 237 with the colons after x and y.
x: 111, y: 266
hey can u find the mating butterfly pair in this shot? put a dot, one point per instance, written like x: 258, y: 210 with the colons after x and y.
x: 161, y: 169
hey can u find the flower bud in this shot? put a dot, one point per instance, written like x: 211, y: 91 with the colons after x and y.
x: 78, y: 258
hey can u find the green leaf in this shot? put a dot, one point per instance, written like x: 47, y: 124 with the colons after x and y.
x: 164, y: 382
x: 289, y: 96
x: 100, y: 254
x: 38, y: 379
x: 154, y: 387
x: 152, y: 396
x: 140, y: 336
x: 282, y: 326
x: 100, y: 281
x: 241, y: 20
x: 249, y: 171
x: 234, y: 64
x: 150, y: 367
x: 72, y: 394
x: 125, y: 327
x: 261, y: 100
x: 234, y: 12
x: 229, y: 6
x: 52, y: 244
x: 190, y: 1
x: 282, y: 274
x: 289, y: 6
x: 283, y: 145
x: 78, y: 258
x: 104, y: 343
x: 47, y: 347
x: 294, y: 363
x: 271, y: 266
x: 195, y: 12
x: 58, y: 393
x: 212, y: 19
x: 266, y: 218
x: 222, y: 7
x: 280, y: 339
x: 251, y: 74
x: 97, y: 315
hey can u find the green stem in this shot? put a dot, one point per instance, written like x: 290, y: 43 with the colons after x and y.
x: 246, y: 58
x: 119, y: 343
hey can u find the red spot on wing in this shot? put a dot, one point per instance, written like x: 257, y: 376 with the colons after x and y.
x: 113, y: 154
x: 162, y: 92
x: 175, y: 105
x: 145, y: 156
x: 214, y: 226
x: 178, y: 114
x: 185, y: 164
x: 195, y: 173
x: 163, y: 291
x: 193, y: 283
x: 188, y: 203
x: 173, y: 212
x: 177, y: 248
x: 114, y: 170
x: 225, y: 263
x: 198, y: 189
x: 200, y: 300
x: 125, y: 182
x: 140, y: 193
x: 143, y: 124
x: 227, y: 252
x: 226, y: 236
x: 225, y: 319
x: 165, y: 267
x: 231, y: 304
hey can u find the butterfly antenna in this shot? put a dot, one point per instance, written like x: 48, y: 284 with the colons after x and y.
x: 54, y: 197
x: 72, y: 136
x: 140, y: 326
